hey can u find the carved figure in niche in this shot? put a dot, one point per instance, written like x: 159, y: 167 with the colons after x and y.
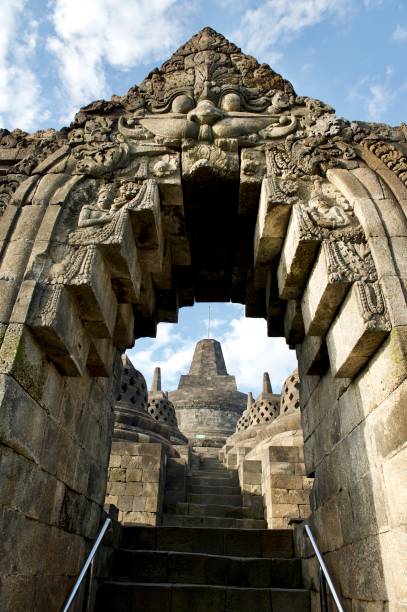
x: 108, y: 211
x: 102, y: 223
x: 100, y: 213
x: 323, y: 212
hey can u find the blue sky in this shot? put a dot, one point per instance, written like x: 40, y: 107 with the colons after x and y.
x: 56, y: 55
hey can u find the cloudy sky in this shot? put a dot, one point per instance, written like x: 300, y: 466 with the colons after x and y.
x: 56, y: 55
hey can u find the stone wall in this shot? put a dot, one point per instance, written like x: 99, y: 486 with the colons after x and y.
x: 207, y: 401
x: 270, y: 461
x: 354, y: 445
x: 286, y: 490
x: 55, y: 441
x: 137, y: 474
x: 94, y: 252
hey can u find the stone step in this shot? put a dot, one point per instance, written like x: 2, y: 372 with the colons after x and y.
x: 206, y: 468
x: 207, y: 510
x: 212, y: 482
x: 222, y: 475
x: 198, y: 568
x: 209, y: 464
x: 254, y: 511
x: 181, y: 520
x: 267, y: 543
x: 222, y: 500
x: 114, y: 596
x: 203, y: 490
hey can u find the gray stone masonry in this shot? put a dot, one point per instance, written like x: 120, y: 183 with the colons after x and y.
x: 211, y: 180
x: 207, y: 402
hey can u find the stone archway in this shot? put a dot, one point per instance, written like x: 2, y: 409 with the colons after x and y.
x: 212, y: 180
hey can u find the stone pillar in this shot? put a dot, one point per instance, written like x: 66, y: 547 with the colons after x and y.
x: 136, y: 482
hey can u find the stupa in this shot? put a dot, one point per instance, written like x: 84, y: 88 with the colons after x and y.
x: 207, y: 401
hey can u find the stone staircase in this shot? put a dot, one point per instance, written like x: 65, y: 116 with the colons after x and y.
x: 214, y: 498
x: 208, y: 556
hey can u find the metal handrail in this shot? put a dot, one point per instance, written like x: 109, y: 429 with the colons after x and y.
x: 86, y: 565
x: 325, y: 578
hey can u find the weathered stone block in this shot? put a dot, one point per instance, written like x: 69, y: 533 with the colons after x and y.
x: 356, y: 332
x: 297, y: 257
x: 117, y: 474
x: 286, y: 481
x: 324, y: 293
x: 271, y: 226
x: 283, y: 453
x: 138, y: 504
x: 252, y: 170
x: 284, y: 496
x: 23, y: 421
x: 150, y: 476
x: 364, y: 207
x: 114, y: 461
x: 293, y: 323
x: 281, y: 467
x: 134, y: 488
x: 387, y: 369
x: 54, y: 321
x: 123, y: 334
x: 101, y: 357
x: 134, y: 474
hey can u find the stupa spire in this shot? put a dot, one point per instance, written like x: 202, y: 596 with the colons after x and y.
x: 208, y: 359
x: 156, y: 385
x: 266, y: 383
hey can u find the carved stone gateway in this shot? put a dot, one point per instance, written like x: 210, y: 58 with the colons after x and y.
x: 212, y: 180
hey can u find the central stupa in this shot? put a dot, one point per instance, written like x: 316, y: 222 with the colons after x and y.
x: 207, y: 402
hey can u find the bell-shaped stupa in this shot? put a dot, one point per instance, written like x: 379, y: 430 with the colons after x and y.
x: 207, y: 402
x: 133, y: 418
x: 265, y: 409
x: 159, y: 406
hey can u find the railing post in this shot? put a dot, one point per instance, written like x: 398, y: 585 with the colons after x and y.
x: 327, y: 580
x: 86, y: 565
x: 322, y: 591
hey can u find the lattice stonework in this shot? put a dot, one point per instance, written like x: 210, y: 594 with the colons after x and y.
x: 243, y: 422
x: 133, y: 387
x: 264, y: 411
x: 162, y: 410
x: 290, y: 394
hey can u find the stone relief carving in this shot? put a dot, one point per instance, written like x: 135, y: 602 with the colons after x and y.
x: 8, y: 186
x: 351, y: 261
x: 326, y: 214
x: 192, y: 118
x: 100, y: 159
x: 327, y: 207
x: 372, y: 304
x: 100, y: 223
x: 390, y: 156
x: 201, y: 158
x: 26, y: 151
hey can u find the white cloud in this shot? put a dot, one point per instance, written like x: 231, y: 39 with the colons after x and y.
x: 278, y: 20
x: 170, y: 350
x: 20, y: 91
x: 399, y: 34
x: 375, y: 94
x: 92, y: 35
x: 247, y: 350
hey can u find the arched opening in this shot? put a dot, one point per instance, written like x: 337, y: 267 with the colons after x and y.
x: 149, y: 203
